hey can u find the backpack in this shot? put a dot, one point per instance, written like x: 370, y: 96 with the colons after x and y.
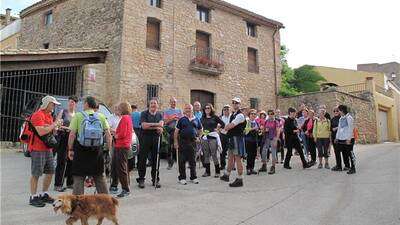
x: 91, y: 131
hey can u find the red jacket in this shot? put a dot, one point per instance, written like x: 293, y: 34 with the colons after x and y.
x: 123, y: 134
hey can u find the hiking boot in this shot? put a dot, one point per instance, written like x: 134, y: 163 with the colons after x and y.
x: 327, y: 166
x: 113, y: 190
x: 156, y: 184
x: 237, y: 183
x: 263, y: 168
x: 217, y: 175
x: 272, y: 170
x: 59, y: 188
x: 46, y: 198
x: 351, y: 171
x: 312, y: 163
x: 141, y: 184
x: 195, y: 181
x: 253, y: 172
x: 336, y: 168
x: 249, y: 172
x: 36, y: 201
x: 287, y: 167
x: 224, y: 178
x: 346, y: 168
x: 320, y: 166
x: 70, y: 187
x: 307, y: 165
x: 123, y: 193
x: 183, y: 182
x: 205, y: 174
x: 169, y: 167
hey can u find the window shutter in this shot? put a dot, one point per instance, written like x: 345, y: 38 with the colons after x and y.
x: 252, y: 60
x: 153, y: 35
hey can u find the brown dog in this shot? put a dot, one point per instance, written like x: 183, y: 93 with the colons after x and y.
x: 82, y: 207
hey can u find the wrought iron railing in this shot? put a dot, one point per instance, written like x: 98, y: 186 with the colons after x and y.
x: 207, y: 58
x: 352, y: 88
x: 384, y: 91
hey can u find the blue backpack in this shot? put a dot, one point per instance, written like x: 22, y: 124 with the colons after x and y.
x: 91, y: 131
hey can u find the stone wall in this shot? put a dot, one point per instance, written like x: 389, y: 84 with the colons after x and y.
x: 169, y: 67
x: 362, y: 110
x: 79, y: 24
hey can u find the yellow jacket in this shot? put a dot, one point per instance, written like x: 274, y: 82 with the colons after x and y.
x: 322, y: 129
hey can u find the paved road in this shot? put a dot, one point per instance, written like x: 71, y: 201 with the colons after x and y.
x: 295, y: 197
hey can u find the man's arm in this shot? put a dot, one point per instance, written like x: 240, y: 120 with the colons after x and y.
x: 239, y: 119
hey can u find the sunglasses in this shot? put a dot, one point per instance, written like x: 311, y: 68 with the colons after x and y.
x: 235, y: 103
x: 253, y: 113
x: 207, y: 108
x: 335, y: 111
x: 271, y: 114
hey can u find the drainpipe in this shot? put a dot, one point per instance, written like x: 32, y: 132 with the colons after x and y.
x: 275, y: 75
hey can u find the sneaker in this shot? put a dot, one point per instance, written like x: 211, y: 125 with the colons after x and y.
x: 307, y: 165
x: 336, y: 168
x: 346, y: 168
x: 312, y: 163
x: 224, y: 178
x: 59, y: 188
x: 237, y: 183
x: 113, y: 190
x: 123, y: 193
x: 217, y: 175
x: 195, y: 181
x: 70, y: 187
x: 263, y: 168
x: 36, y: 201
x: 156, y: 185
x: 183, y: 182
x: 141, y: 184
x: 205, y: 174
x: 287, y: 167
x: 249, y: 172
x: 253, y: 172
x: 320, y: 166
x: 351, y: 171
x: 46, y: 198
x: 327, y: 166
x: 169, y: 167
x: 272, y: 170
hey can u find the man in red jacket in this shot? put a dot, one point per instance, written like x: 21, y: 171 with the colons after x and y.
x: 41, y: 154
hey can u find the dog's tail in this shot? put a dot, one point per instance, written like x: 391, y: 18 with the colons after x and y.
x: 115, y: 201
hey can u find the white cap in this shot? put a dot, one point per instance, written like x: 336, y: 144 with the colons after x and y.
x: 236, y: 99
x: 47, y: 99
x: 227, y: 106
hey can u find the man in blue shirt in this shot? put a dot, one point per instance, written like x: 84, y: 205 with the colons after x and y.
x: 197, y: 110
x: 186, y: 135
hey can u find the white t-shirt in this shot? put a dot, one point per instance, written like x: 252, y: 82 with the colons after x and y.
x: 240, y: 118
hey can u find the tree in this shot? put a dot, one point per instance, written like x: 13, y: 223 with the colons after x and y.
x: 287, y: 75
x: 306, y: 79
x: 301, y: 80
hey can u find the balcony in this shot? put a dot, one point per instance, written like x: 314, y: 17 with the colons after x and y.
x: 206, y: 60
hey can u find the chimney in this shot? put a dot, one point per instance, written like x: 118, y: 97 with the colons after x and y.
x: 8, y: 16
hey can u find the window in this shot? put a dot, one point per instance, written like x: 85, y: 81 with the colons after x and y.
x: 46, y: 45
x: 252, y: 61
x: 153, y: 34
x: 251, y: 29
x: 254, y: 103
x: 203, y: 14
x: 152, y: 92
x: 48, y: 18
x: 155, y: 3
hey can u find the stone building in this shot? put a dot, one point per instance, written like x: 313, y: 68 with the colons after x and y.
x: 191, y: 49
x: 391, y: 70
x: 6, y: 19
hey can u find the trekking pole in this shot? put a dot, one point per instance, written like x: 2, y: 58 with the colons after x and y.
x: 177, y: 160
x: 158, y: 163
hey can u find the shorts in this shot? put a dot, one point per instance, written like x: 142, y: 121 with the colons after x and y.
x: 237, y: 146
x: 42, y: 163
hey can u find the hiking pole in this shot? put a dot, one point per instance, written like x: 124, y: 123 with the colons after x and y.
x: 158, y: 163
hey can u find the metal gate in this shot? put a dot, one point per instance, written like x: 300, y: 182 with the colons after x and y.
x: 19, y: 87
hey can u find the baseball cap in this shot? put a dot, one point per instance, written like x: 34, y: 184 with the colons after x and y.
x: 236, y: 99
x: 47, y: 99
x: 227, y: 106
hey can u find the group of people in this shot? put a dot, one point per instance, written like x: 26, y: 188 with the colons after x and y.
x: 197, y: 133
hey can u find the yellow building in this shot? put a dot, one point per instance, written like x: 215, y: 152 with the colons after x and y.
x: 385, y: 95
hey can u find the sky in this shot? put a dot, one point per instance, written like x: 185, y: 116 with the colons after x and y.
x: 336, y: 33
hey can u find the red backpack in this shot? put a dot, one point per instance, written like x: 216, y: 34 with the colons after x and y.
x: 26, y: 132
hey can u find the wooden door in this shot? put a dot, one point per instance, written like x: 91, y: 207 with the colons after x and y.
x: 383, y: 125
x: 202, y: 43
x: 203, y: 97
